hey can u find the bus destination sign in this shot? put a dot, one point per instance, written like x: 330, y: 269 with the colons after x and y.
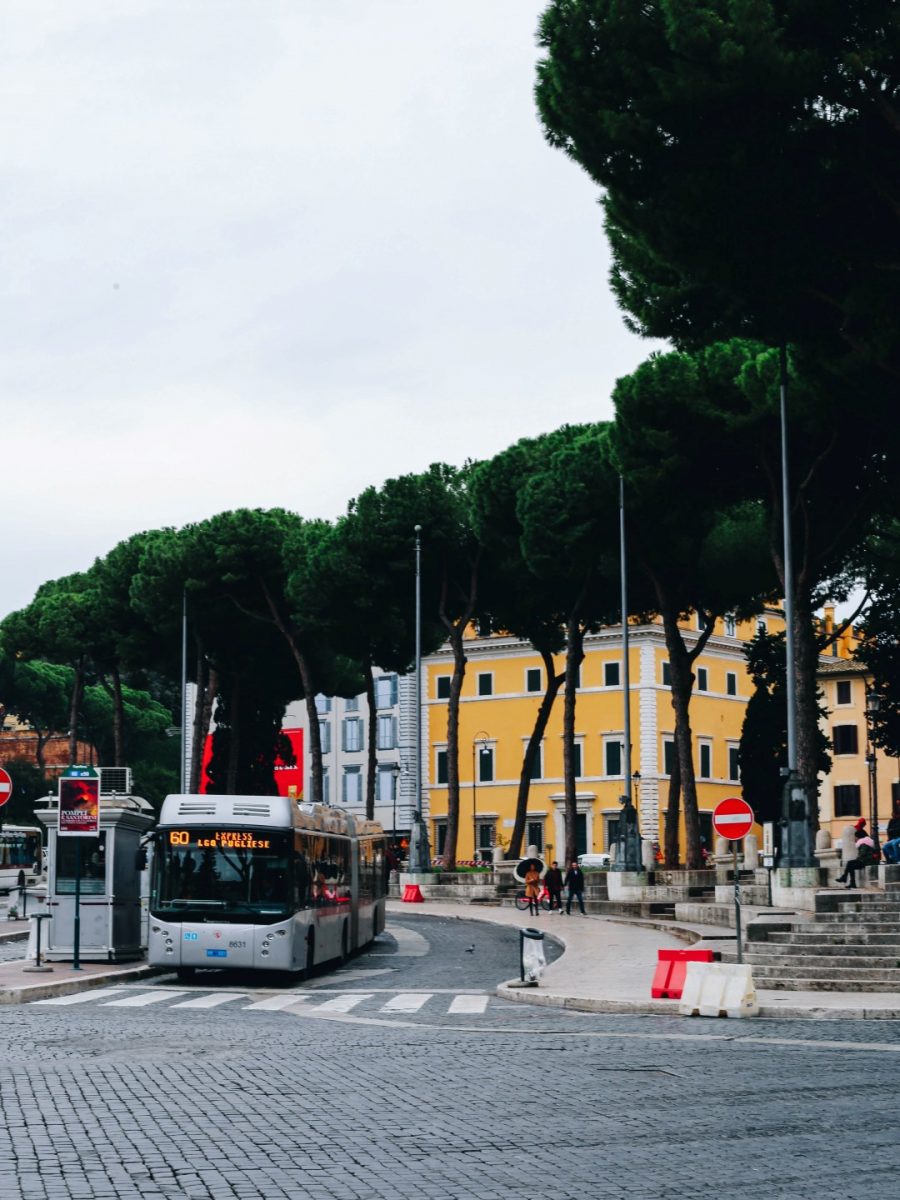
x: 220, y: 839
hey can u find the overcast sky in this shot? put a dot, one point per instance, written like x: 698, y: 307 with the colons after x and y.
x: 268, y: 252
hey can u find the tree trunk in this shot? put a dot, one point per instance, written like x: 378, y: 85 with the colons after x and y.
x: 39, y: 756
x: 309, y: 695
x: 672, y: 810
x: 574, y: 659
x: 234, y: 738
x: 456, y: 682
x: 118, y: 719
x: 554, y: 682
x: 682, y: 683
x: 75, y: 711
x: 371, y: 763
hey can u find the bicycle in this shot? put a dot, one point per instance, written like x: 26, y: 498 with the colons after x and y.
x: 522, y: 901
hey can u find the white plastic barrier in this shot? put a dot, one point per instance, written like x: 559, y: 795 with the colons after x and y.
x: 718, y: 990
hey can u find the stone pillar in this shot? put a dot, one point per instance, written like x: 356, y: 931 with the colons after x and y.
x: 648, y: 858
x: 848, y: 846
x: 751, y: 852
x: 827, y: 855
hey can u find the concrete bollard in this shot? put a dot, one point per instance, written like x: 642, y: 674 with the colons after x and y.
x: 848, y: 846
x: 751, y: 852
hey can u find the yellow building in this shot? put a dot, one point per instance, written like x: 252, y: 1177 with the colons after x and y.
x: 863, y: 782
x: 502, y: 689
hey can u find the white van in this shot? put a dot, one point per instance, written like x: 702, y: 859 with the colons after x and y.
x: 586, y: 861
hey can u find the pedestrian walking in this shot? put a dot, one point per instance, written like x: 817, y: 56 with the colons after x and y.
x: 533, y: 890
x: 553, y: 881
x: 575, y: 885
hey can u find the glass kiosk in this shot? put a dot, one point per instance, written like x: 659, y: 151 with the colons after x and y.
x: 111, y: 904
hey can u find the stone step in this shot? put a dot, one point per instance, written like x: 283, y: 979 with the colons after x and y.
x: 791, y: 950
x: 856, y: 937
x: 762, y: 971
x: 790, y: 983
x: 803, y: 962
x: 841, y: 923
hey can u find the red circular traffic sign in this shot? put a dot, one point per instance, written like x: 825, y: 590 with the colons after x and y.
x: 733, y: 819
x: 5, y: 786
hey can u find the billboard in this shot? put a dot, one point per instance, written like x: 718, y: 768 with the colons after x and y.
x: 287, y: 768
x: 79, y: 806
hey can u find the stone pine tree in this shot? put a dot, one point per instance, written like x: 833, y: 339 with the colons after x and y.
x: 437, y: 501
x: 696, y: 544
x: 568, y: 510
x: 517, y: 600
x: 748, y: 161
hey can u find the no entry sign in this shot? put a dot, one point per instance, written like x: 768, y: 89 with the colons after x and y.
x: 5, y: 786
x: 733, y: 819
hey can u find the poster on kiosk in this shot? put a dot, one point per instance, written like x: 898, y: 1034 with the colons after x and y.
x: 79, y: 804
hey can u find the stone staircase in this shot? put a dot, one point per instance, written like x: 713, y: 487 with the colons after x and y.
x: 850, y: 944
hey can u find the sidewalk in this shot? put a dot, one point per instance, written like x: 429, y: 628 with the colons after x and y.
x: 608, y: 965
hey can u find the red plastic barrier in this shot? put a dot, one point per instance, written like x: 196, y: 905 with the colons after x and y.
x: 668, y: 981
x: 412, y: 894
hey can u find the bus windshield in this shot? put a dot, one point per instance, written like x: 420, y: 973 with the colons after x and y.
x: 238, y: 875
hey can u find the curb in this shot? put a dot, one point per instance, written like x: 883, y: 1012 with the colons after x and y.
x: 67, y: 987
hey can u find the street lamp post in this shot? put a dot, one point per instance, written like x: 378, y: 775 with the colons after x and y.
x: 628, y: 857
x: 395, y: 783
x: 873, y: 707
x: 481, y: 737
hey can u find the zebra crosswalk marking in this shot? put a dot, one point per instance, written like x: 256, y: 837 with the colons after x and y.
x: 276, y: 1003
x: 408, y: 1002
x: 213, y: 1000
x: 82, y: 997
x: 468, y: 1004
x: 344, y: 1003
x: 143, y: 999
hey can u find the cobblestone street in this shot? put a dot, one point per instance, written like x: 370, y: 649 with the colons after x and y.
x: 118, y: 1101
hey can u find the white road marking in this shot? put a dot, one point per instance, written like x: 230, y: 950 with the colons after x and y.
x: 213, y: 1000
x: 143, y: 999
x: 468, y: 1004
x: 276, y: 1003
x: 350, y: 976
x: 407, y: 1002
x: 81, y: 997
x: 410, y: 943
x: 343, y: 1003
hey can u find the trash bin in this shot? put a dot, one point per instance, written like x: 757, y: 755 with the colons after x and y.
x: 531, y: 956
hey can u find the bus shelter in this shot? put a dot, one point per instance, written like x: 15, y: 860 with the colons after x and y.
x: 112, y: 898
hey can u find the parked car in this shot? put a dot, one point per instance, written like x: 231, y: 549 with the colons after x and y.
x: 586, y: 861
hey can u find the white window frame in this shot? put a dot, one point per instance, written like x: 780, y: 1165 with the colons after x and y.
x: 387, y: 784
x: 702, y: 679
x: 608, y: 741
x: 617, y: 663
x: 489, y: 676
x: 323, y: 704
x: 438, y: 752
x: 729, y: 677
x: 704, y: 743
x: 350, y: 773
x: 734, y: 748
x: 388, y: 684
x: 386, y: 732
x: 357, y: 724
x: 532, y: 691
x: 438, y: 684
x: 668, y: 739
x: 325, y: 736
x: 730, y: 623
x: 838, y: 703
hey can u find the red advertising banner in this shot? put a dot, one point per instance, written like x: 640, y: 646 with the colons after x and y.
x: 288, y: 765
x: 79, y: 807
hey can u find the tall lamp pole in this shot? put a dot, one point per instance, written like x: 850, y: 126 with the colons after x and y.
x: 418, y: 784
x: 628, y: 857
x: 796, y: 848
x: 873, y: 707
x: 395, y: 784
x: 184, y: 715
